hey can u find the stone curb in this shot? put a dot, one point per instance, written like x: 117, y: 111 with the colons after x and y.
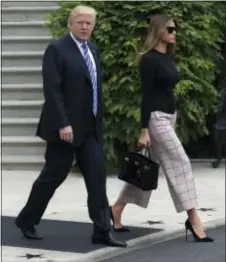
x: 141, y: 242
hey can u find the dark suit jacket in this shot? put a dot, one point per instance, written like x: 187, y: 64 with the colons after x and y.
x: 68, y: 92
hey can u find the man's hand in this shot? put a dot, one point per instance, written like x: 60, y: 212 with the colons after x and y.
x: 66, y: 134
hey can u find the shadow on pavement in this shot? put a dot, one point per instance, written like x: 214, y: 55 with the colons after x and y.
x: 64, y: 236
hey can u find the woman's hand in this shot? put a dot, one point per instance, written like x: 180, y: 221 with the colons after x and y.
x: 144, y: 139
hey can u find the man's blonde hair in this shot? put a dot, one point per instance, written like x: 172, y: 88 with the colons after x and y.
x: 81, y: 9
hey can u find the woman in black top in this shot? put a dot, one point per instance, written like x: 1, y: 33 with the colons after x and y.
x: 158, y: 76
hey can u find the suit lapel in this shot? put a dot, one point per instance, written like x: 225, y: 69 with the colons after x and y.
x: 77, y: 51
x: 93, y: 51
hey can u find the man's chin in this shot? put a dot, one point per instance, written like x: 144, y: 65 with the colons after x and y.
x: 83, y: 38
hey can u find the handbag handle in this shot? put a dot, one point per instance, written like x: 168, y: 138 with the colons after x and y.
x: 146, y: 151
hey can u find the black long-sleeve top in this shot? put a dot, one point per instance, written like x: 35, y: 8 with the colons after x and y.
x: 158, y: 76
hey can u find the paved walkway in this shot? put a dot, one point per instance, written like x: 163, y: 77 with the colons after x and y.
x: 66, y: 225
x: 177, y: 250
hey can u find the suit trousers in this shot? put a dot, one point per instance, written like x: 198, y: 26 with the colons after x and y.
x: 167, y: 150
x: 59, y: 158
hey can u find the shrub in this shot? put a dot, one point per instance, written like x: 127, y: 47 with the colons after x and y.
x: 120, y: 32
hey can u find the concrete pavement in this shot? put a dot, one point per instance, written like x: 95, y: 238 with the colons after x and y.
x: 177, y: 250
x: 67, y: 228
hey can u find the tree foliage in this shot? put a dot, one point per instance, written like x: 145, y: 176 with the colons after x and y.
x: 119, y: 34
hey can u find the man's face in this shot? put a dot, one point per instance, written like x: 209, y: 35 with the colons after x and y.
x: 82, y: 26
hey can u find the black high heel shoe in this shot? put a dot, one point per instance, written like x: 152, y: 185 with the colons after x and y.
x: 188, y: 226
x: 120, y: 229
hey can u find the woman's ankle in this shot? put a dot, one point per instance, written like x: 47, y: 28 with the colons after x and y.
x: 194, y: 218
x: 118, y: 207
x: 117, y: 210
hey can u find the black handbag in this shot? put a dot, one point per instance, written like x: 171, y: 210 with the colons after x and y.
x: 140, y: 171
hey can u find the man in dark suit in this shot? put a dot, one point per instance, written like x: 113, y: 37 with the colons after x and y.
x: 71, y: 124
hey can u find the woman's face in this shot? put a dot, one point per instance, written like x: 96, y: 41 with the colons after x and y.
x: 169, y: 36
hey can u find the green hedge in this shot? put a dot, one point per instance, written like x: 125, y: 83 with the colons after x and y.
x: 120, y: 32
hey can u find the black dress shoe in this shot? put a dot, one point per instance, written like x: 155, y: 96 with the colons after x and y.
x: 30, y: 233
x: 108, y: 240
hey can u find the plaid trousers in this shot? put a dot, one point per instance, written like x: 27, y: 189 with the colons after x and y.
x: 167, y: 150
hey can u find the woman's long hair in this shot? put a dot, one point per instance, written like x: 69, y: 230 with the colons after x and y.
x: 155, y: 31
